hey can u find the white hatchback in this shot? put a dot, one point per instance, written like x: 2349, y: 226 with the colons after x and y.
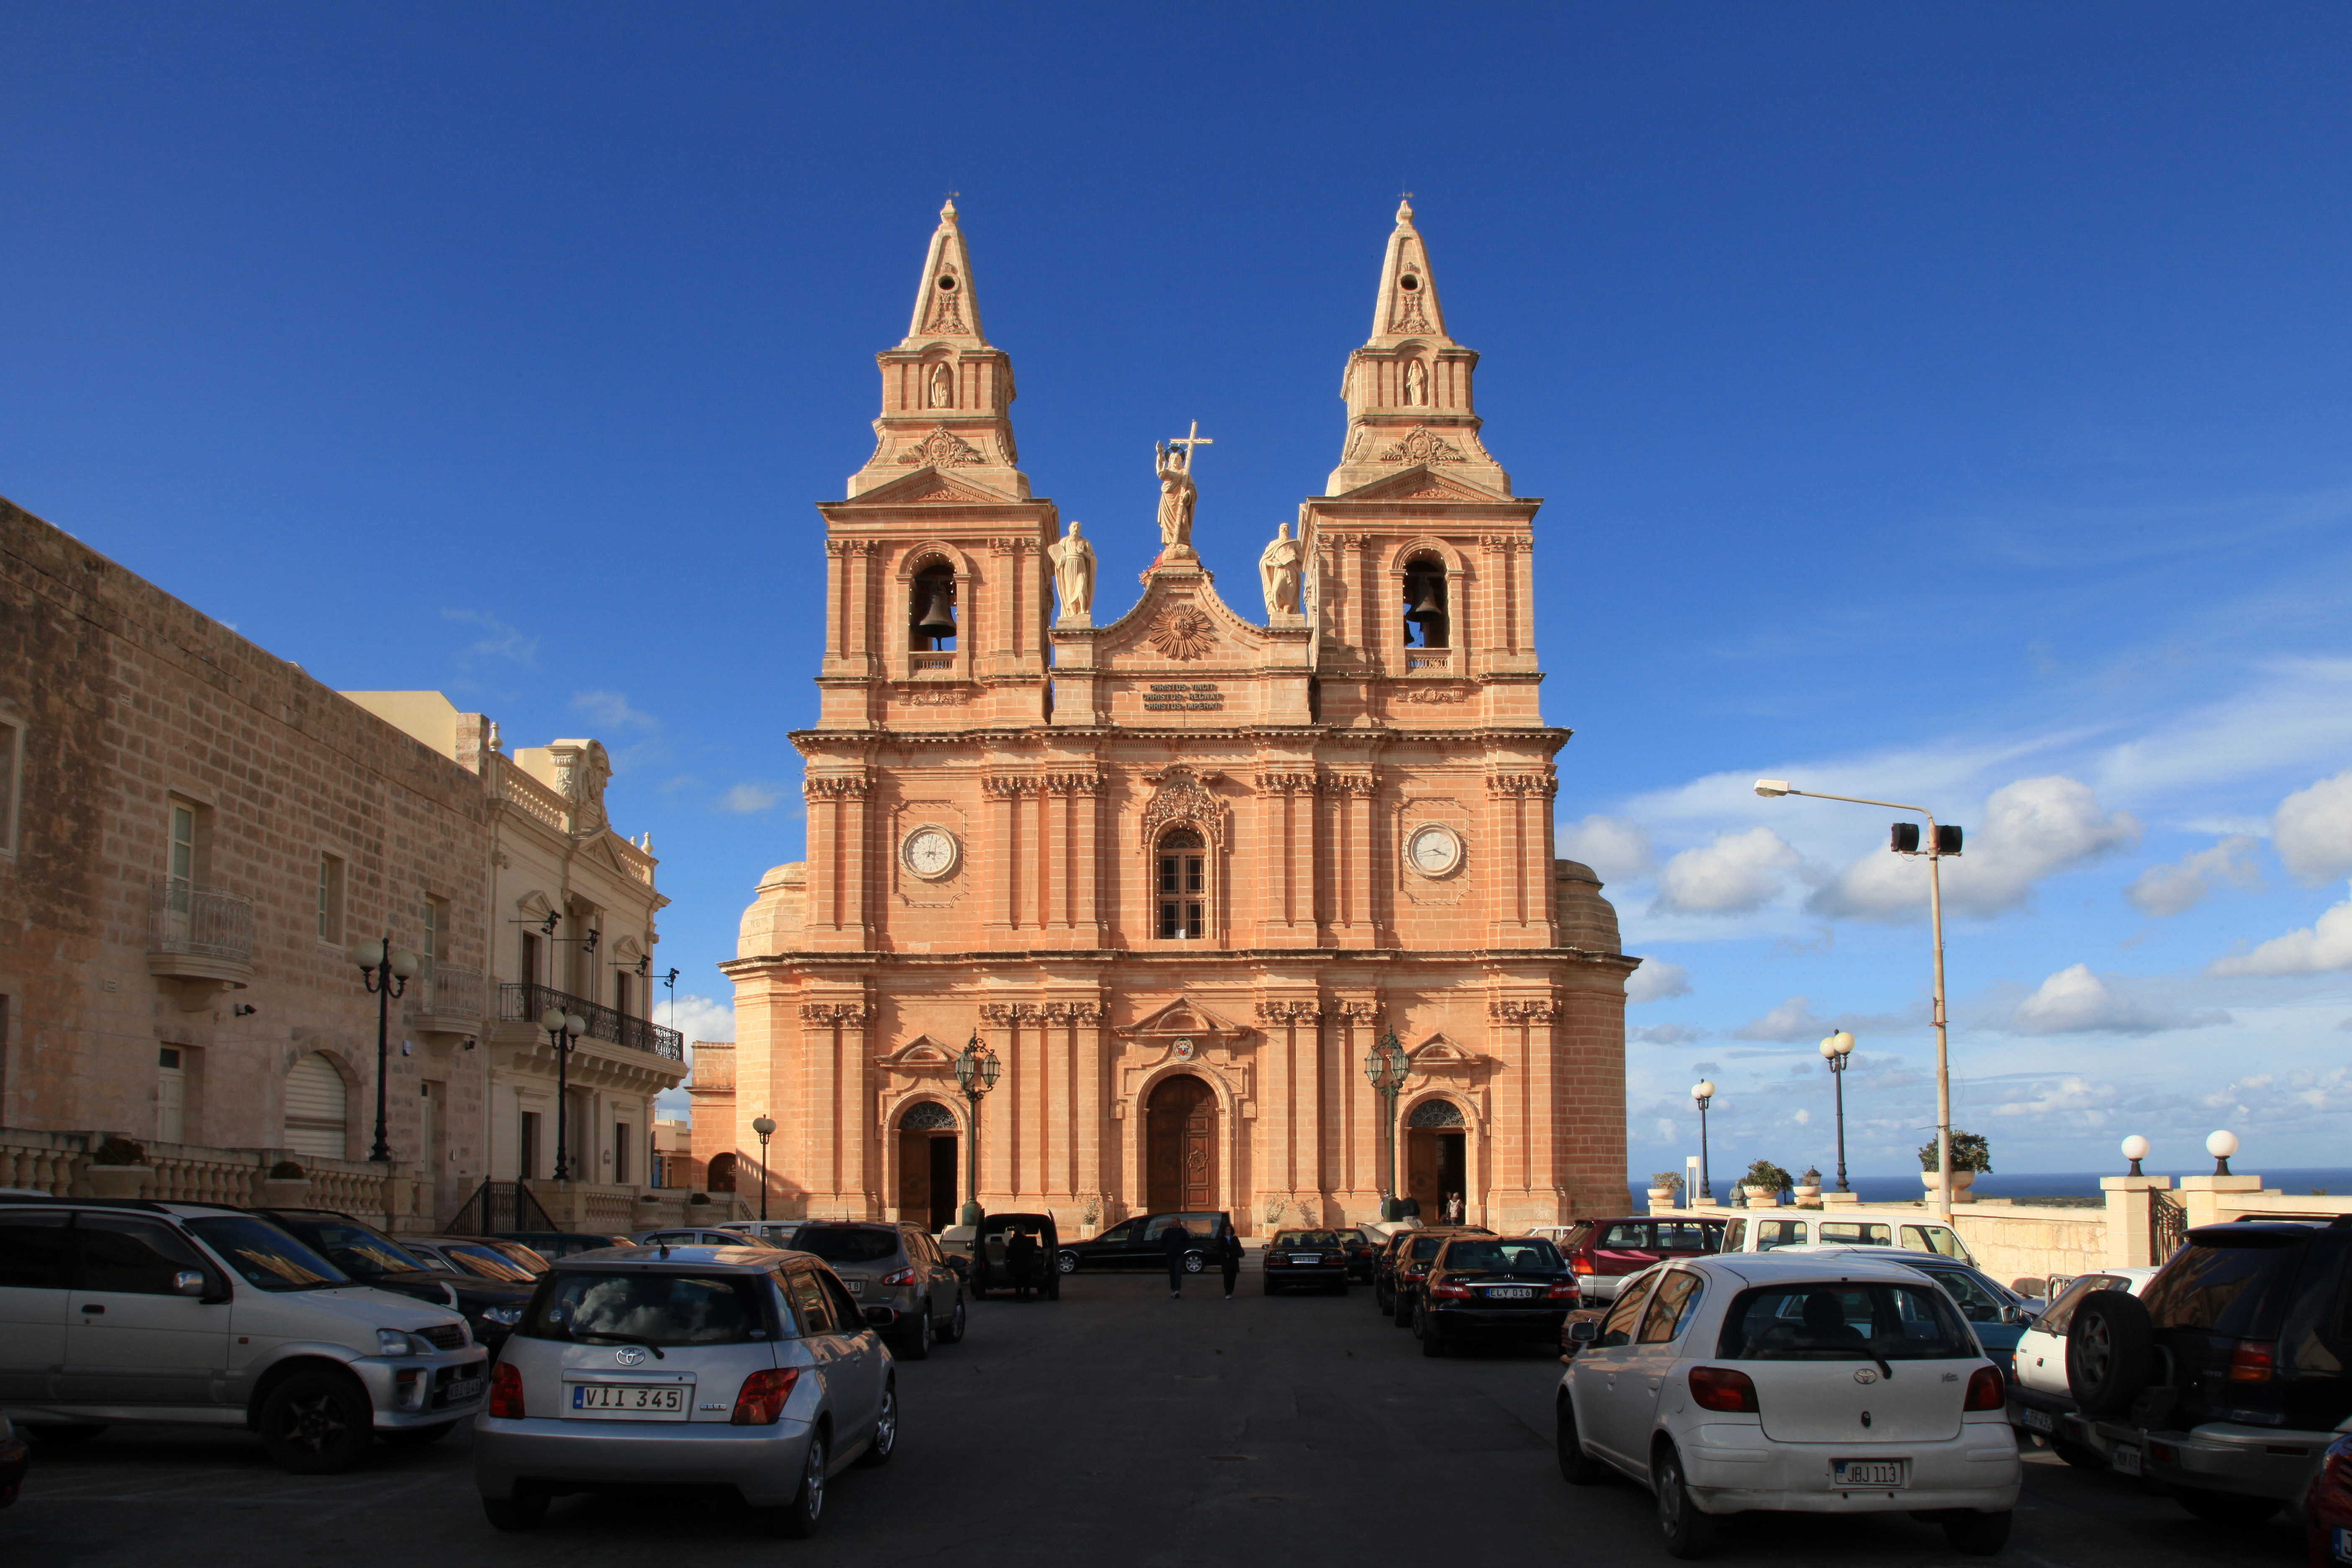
x: 1810, y: 1385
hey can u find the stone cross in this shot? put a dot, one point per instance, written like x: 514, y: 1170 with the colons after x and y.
x: 1190, y: 441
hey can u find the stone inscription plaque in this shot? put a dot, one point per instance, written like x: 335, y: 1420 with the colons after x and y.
x: 1183, y: 697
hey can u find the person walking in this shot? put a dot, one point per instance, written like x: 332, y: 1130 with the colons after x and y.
x: 1229, y: 1257
x: 1021, y: 1261
x: 1176, y: 1241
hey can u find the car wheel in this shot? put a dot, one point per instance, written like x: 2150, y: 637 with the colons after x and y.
x: 2227, y: 1508
x: 1067, y: 1262
x: 798, y: 1519
x: 316, y: 1423
x: 1193, y: 1263
x: 915, y: 1344
x: 1976, y: 1534
x: 1688, y: 1532
x: 417, y: 1437
x: 953, y: 1334
x: 886, y: 1431
x: 521, y: 1511
x: 59, y: 1439
x: 1577, y: 1468
x: 2110, y: 1353
x: 1433, y: 1343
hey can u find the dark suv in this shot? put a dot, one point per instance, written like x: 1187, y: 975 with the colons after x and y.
x: 2226, y: 1375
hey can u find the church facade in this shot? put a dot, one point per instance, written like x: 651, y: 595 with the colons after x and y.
x: 1179, y: 866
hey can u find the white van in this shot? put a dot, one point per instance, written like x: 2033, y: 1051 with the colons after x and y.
x: 1907, y: 1229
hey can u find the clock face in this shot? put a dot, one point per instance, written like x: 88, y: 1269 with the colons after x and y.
x: 930, y: 853
x: 1433, y: 850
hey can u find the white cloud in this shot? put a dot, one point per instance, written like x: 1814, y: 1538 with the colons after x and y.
x: 2166, y: 890
x: 2076, y: 1002
x: 2030, y: 829
x: 1656, y: 980
x: 1613, y: 846
x: 1793, y: 1020
x: 1664, y: 1035
x: 702, y: 1019
x: 613, y: 710
x: 747, y: 798
x: 1734, y: 873
x: 2312, y: 830
x: 503, y: 641
x: 2315, y: 950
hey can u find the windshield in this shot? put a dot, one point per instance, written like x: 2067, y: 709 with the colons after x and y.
x: 357, y: 1250
x: 265, y: 1257
x: 1842, y: 1320
x: 647, y: 1308
x: 485, y: 1264
x: 1306, y: 1239
x: 1531, y: 1253
x: 847, y: 1243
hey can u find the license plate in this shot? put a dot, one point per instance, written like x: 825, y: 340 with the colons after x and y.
x: 856, y: 1287
x: 463, y: 1388
x: 2039, y: 1420
x: 2124, y: 1460
x: 1874, y: 1473
x: 1310, y: 1258
x: 630, y: 1401
x: 1511, y: 1293
x: 2343, y: 1534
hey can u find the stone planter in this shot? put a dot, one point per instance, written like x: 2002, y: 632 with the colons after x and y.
x: 282, y: 1192
x: 1808, y: 1197
x: 1961, y: 1182
x: 1762, y: 1198
x: 1660, y: 1198
x: 116, y: 1181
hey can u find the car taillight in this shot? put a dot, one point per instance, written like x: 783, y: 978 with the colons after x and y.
x: 1581, y: 1264
x: 1985, y: 1390
x: 2253, y: 1360
x: 1565, y: 1290
x: 903, y: 1277
x: 763, y: 1396
x: 1722, y: 1388
x: 506, y: 1392
x: 1446, y: 1290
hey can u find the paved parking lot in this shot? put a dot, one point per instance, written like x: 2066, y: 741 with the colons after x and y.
x: 1114, y: 1422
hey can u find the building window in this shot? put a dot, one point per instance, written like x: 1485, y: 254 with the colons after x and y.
x: 183, y: 867
x: 12, y: 738
x: 529, y: 960
x: 931, y: 612
x: 435, y: 946
x: 1182, y: 884
x: 620, y: 1152
x: 317, y: 1109
x: 1425, y: 614
x: 527, y: 1156
x: 171, y: 1095
x: 624, y: 998
x: 330, y: 900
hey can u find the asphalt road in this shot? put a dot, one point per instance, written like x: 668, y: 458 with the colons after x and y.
x: 1115, y: 1424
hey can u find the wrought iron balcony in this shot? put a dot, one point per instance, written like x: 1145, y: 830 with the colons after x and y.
x: 198, y: 933
x: 528, y: 1003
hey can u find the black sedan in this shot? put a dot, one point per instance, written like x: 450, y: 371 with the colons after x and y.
x: 1297, y: 1259
x: 491, y: 1308
x: 1493, y: 1288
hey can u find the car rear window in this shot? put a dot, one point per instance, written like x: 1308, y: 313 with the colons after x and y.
x: 1627, y: 1234
x: 847, y: 1243
x: 1529, y: 1253
x: 1424, y: 1246
x: 1306, y: 1239
x: 647, y: 1306
x: 2238, y: 1290
x: 1844, y: 1321
x: 1576, y: 1235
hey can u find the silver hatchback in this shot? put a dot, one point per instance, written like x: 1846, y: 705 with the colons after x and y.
x: 734, y: 1365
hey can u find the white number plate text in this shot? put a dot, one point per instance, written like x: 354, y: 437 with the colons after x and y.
x: 631, y: 1401
x: 1872, y: 1473
x: 2125, y: 1461
x: 1511, y: 1293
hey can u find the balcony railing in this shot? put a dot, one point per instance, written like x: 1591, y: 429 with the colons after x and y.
x: 448, y: 992
x: 204, y: 921
x: 529, y: 1004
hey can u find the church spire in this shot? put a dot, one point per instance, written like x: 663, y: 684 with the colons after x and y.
x: 947, y: 396
x: 1408, y: 388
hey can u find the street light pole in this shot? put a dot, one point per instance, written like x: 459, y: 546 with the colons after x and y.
x: 1835, y: 1050
x: 562, y: 1029
x: 765, y: 1126
x: 384, y: 970
x: 1769, y: 788
x: 976, y: 1070
x: 1385, y: 1066
x: 1702, y: 1092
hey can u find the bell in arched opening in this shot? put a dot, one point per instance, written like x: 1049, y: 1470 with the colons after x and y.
x: 1424, y: 595
x: 932, y: 606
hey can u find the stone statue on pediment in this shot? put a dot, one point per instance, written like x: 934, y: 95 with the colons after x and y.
x: 1177, y: 494
x: 1074, y: 576
x: 1277, y: 574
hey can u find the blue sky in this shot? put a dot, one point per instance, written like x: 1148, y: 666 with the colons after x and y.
x: 1932, y: 402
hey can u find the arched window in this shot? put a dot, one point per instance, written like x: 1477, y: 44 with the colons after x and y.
x: 1436, y: 1113
x: 1425, y: 614
x: 931, y: 609
x: 927, y: 1116
x: 1182, y: 884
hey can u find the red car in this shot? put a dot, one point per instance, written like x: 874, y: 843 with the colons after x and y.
x: 1602, y: 1252
x: 2328, y: 1508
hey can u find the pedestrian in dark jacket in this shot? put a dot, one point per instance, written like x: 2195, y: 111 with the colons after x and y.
x: 1021, y: 1261
x: 1229, y: 1254
x: 1176, y: 1241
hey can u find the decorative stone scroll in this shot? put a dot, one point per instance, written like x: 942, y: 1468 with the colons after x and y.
x: 834, y: 1013
x: 851, y: 786
x: 1545, y: 783
x: 1344, y: 784
x: 1524, y: 1010
x: 1299, y: 783
x: 943, y: 449
x: 1358, y: 1012
x: 1295, y: 1012
x: 1183, y: 796
x: 1072, y: 784
x: 1419, y: 446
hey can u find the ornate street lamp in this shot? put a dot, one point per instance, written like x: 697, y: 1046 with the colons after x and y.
x: 976, y: 1070
x: 1385, y: 1066
x: 765, y: 1126
x: 1701, y: 1092
x: 562, y: 1028
x: 1835, y: 1050
x: 385, y: 970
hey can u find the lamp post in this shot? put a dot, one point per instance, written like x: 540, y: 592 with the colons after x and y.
x: 385, y: 970
x: 1941, y: 841
x: 1384, y: 1068
x: 2222, y: 1146
x: 1835, y: 1050
x: 1701, y: 1092
x: 976, y: 1070
x: 2135, y: 1149
x: 765, y: 1126
x: 562, y: 1028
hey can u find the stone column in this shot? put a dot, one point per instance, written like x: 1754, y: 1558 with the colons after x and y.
x: 2130, y: 1210
x: 1090, y: 1105
x: 2207, y: 1198
x: 1003, y: 791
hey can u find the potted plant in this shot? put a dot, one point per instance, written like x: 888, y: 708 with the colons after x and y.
x: 287, y: 1186
x: 1764, y: 1183
x: 1091, y: 1212
x: 1665, y: 1190
x: 697, y: 1197
x: 117, y: 1169
x: 1808, y: 1188
x: 1970, y: 1156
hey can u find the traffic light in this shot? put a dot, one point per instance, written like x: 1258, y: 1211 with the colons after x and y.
x: 1947, y: 840
x: 1904, y: 839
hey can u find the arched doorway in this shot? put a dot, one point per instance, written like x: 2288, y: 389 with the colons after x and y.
x: 720, y: 1177
x: 1180, y: 1150
x: 1436, y: 1159
x: 926, y: 1165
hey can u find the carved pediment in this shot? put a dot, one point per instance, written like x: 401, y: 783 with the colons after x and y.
x: 1183, y: 1017
x: 1439, y: 1054
x: 920, y: 1054
x: 926, y: 484
x: 1419, y: 482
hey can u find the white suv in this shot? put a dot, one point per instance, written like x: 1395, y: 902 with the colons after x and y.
x: 190, y: 1313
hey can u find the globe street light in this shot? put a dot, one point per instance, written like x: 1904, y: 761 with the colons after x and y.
x: 562, y: 1029
x: 1385, y: 1068
x: 385, y: 970
x: 1940, y: 842
x: 765, y: 1126
x: 976, y: 1070
x: 2135, y: 1149
x: 2222, y: 1146
x: 1835, y: 1050
x: 1701, y: 1092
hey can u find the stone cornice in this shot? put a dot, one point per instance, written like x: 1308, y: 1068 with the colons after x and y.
x: 1285, y: 959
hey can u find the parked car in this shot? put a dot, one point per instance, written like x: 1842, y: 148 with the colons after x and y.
x: 692, y: 1235
x: 1493, y: 1289
x: 998, y: 1262
x: 1847, y: 1224
x: 16, y: 1456
x: 130, y: 1312
x: 1408, y: 1265
x: 1604, y: 1252
x: 893, y: 1269
x: 777, y: 1233
x: 554, y: 1243
x: 1842, y: 1384
x: 1363, y: 1245
x: 1997, y: 1313
x: 2039, y: 1404
x: 1302, y: 1258
x: 491, y: 1307
x: 459, y: 1255
x: 2328, y: 1507
x: 1134, y: 1242
x: 737, y: 1366
x: 2225, y: 1377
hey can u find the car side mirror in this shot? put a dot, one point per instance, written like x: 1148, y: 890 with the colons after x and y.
x: 190, y: 1282
x: 1583, y: 1331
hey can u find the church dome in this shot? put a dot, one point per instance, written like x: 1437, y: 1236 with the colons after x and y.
x: 1586, y: 919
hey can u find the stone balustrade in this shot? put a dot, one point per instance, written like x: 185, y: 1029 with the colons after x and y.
x: 58, y: 1163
